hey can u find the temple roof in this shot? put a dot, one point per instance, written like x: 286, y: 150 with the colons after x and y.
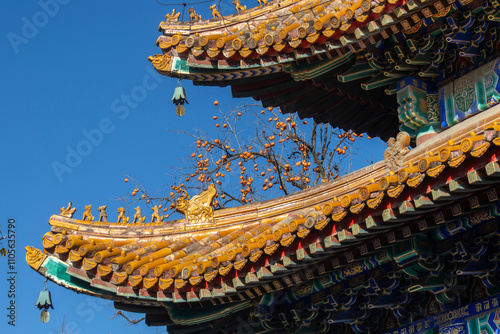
x: 247, y: 252
x: 409, y: 237
x: 335, y: 61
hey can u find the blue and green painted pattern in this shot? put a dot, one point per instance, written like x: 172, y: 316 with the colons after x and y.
x: 418, y: 109
x: 212, y: 72
x: 186, y: 316
x: 307, y: 71
x: 56, y: 270
x: 482, y: 316
x: 470, y: 94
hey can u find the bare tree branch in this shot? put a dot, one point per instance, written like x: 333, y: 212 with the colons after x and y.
x: 131, y: 321
x: 278, y: 153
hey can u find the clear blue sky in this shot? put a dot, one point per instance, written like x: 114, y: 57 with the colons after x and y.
x: 68, y: 68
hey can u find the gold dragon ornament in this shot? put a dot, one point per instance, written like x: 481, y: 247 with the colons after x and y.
x: 34, y: 257
x: 197, y: 209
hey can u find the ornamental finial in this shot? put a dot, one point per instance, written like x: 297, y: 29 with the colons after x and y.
x: 396, y: 149
x: 68, y: 211
x: 215, y: 12
x: 197, y: 209
x: 193, y: 16
x: 238, y: 6
x: 174, y: 17
x: 121, y: 216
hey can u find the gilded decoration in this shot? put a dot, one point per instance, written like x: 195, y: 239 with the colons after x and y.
x: 156, y: 216
x: 433, y: 108
x: 34, y: 257
x: 87, y: 215
x: 304, y: 290
x: 161, y: 62
x: 121, y: 216
x: 449, y: 316
x: 138, y: 218
x: 353, y: 269
x: 464, y: 93
x: 454, y: 329
x: 174, y: 17
x: 68, y: 211
x: 199, y: 208
x: 193, y: 16
x: 480, y: 217
x: 215, y: 12
x: 238, y: 6
x: 397, y: 148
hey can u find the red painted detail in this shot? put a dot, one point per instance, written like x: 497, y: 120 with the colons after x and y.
x: 338, y: 33
x: 200, y: 61
x: 334, y: 229
x: 321, y: 40
x: 351, y: 223
x: 303, y: 45
x: 271, y: 52
x: 390, y: 7
x: 471, y: 170
x: 354, y: 25
x: 493, y: 157
x: 266, y: 263
x: 299, y: 245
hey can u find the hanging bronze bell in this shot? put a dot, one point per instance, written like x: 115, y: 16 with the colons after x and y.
x: 43, y: 303
x: 178, y: 99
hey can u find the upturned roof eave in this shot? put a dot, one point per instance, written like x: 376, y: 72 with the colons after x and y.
x: 346, y: 221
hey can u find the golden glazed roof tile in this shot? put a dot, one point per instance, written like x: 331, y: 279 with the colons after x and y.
x: 287, y: 230
x: 295, y: 23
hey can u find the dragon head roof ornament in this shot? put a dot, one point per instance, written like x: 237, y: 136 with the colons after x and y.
x: 197, y: 209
